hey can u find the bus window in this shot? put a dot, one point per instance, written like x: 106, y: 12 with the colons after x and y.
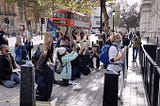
x: 60, y: 15
x: 70, y: 15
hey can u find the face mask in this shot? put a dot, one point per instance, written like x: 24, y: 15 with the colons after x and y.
x: 119, y: 43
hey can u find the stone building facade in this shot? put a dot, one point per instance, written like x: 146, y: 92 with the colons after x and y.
x: 149, y: 18
x: 9, y: 11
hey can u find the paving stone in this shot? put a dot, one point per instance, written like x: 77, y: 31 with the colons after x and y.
x: 91, y: 93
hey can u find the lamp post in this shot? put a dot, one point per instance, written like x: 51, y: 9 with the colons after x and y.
x: 113, y: 14
x: 14, y: 14
x: 101, y: 16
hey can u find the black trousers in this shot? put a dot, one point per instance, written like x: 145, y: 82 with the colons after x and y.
x: 29, y: 53
x: 44, y: 92
x: 64, y: 82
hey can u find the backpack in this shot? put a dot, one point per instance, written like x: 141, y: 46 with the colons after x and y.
x: 104, y: 58
x: 58, y: 66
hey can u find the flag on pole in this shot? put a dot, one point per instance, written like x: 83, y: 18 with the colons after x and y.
x: 51, y: 27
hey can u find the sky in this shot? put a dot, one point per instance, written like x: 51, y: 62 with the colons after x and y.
x: 132, y: 1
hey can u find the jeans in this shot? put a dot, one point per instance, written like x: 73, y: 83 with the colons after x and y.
x: 135, y: 52
x: 11, y: 83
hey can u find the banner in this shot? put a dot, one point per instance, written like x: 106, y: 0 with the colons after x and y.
x: 47, y: 37
x: 19, y: 40
x: 51, y: 27
x: 29, y: 35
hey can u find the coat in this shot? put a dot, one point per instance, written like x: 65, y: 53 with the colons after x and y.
x: 67, y: 69
x: 21, y: 53
x: 6, y: 65
x: 3, y: 41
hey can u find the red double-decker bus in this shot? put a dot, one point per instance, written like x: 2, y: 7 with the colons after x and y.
x: 68, y: 20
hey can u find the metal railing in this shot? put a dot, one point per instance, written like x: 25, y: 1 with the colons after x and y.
x: 150, y: 73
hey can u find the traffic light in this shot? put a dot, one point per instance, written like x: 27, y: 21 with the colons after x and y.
x: 6, y: 20
x: 42, y: 21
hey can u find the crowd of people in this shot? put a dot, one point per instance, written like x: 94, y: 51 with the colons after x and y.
x: 76, y: 58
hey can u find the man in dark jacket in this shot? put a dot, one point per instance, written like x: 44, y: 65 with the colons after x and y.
x: 7, y: 77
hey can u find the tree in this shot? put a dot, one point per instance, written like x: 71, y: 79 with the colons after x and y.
x: 129, y: 16
x: 35, y: 9
x: 39, y: 8
x: 104, y: 11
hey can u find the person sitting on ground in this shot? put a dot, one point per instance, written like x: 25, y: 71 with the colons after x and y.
x: 76, y: 71
x: 7, y: 63
x: 21, y: 53
x: 44, y: 74
x: 66, y: 59
x: 84, y: 57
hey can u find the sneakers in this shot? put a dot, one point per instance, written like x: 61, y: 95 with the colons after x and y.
x: 77, y: 87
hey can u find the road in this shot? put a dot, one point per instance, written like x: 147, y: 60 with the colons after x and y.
x: 36, y: 40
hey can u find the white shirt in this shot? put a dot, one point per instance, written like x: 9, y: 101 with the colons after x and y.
x: 112, y: 53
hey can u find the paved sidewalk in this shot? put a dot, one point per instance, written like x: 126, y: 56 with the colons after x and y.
x: 91, y: 93
x: 36, y: 41
x: 134, y: 93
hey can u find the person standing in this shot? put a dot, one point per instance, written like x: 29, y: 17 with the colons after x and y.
x: 81, y: 35
x: 3, y: 40
x: 114, y: 69
x: 136, y: 42
x: 29, y: 45
x: 130, y: 36
x: 115, y: 56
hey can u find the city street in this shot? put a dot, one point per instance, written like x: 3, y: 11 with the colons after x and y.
x: 36, y: 41
x: 91, y: 93
x: 132, y: 26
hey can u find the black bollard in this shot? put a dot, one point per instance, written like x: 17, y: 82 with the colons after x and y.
x: 110, y: 94
x: 27, y: 91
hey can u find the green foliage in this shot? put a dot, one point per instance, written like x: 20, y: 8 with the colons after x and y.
x: 9, y: 1
x: 82, y: 6
x: 43, y: 8
x: 129, y: 16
